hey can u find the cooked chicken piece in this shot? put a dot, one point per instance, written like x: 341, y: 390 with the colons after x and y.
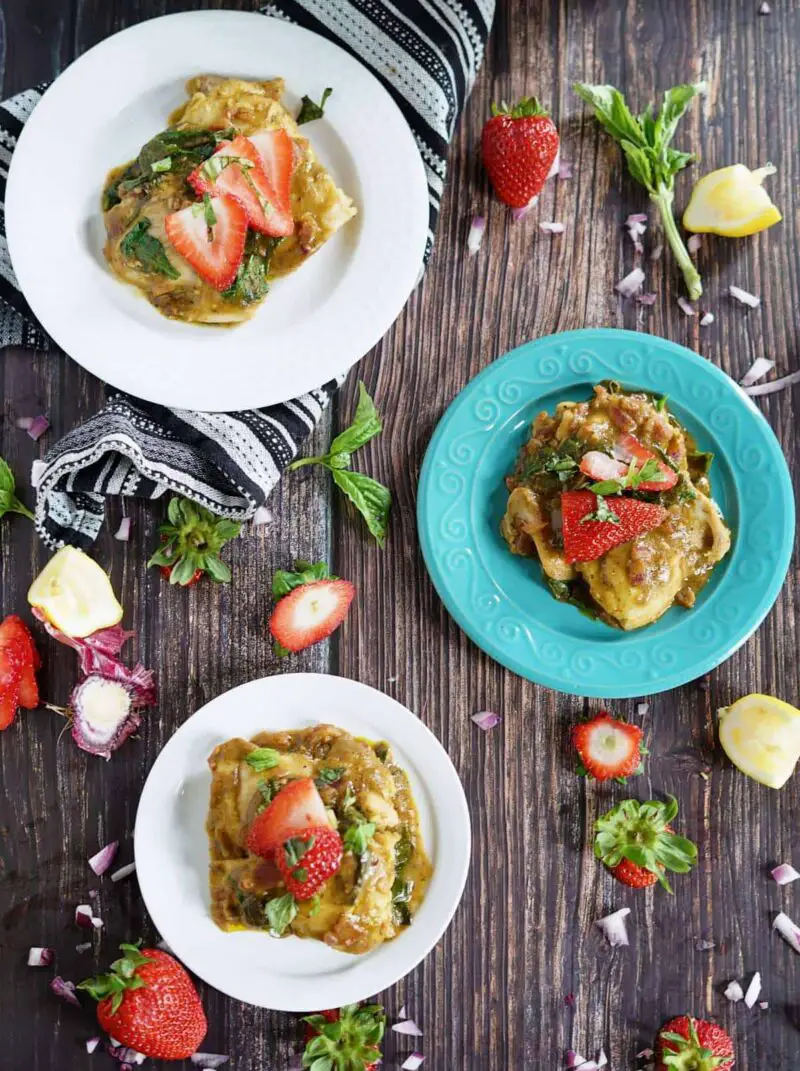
x: 371, y: 913
x: 524, y: 522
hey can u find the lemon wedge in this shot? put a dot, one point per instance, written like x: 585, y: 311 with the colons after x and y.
x: 74, y: 594
x: 761, y: 735
x: 731, y: 201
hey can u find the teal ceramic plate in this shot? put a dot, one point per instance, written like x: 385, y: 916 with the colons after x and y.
x: 500, y: 600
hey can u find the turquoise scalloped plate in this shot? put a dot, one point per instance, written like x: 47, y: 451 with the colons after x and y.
x: 500, y: 600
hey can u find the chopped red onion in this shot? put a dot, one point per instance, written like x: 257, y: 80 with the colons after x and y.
x: 569, y: 1000
x: 123, y: 872
x: 706, y: 319
x: 92, y: 1044
x: 763, y: 1004
x: 475, y: 236
x: 631, y: 284
x: 262, y: 516
x: 123, y: 533
x: 210, y: 1061
x: 704, y: 946
x: 414, y: 1061
x: 409, y: 1027
x: 645, y: 1054
x: 23, y: 422
x: 744, y: 297
x: 694, y: 243
x: 97, y: 923
x: 602, y: 1059
x: 93, y: 894
x: 760, y: 367
x: 486, y: 719
x: 785, y: 874
x: 636, y: 225
x: 765, y: 8
x: 788, y: 931
x: 40, y: 957
x: 686, y: 306
x: 614, y: 928
x: 104, y: 858
x: 402, y: 1014
x: 84, y: 946
x: 734, y: 992
x: 753, y: 990
x: 105, y: 711
x: 520, y: 213
x: 646, y: 299
x: 126, y: 1056
x: 636, y: 218
x: 83, y: 916
x: 574, y: 1060
x: 65, y: 991
x: 35, y: 426
x: 97, y: 652
x: 552, y: 228
x: 773, y: 387
x: 564, y: 171
x: 657, y: 251
x: 642, y: 709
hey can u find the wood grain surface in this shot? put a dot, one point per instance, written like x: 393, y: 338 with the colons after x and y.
x: 491, y: 997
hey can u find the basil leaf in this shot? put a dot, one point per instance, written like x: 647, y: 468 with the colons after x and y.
x: 250, y: 284
x: 281, y: 913
x: 701, y: 460
x: 607, y: 487
x: 602, y: 513
x: 612, y: 112
x: 283, y: 582
x: 147, y: 251
x: 328, y: 775
x: 372, y: 500
x: 9, y: 503
x: 310, y: 111
x: 357, y: 837
x: 164, y: 164
x: 295, y: 848
x: 263, y: 758
x: 366, y: 425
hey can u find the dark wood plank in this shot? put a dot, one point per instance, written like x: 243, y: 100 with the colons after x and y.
x: 491, y: 996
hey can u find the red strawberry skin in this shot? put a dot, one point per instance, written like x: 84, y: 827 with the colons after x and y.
x: 318, y: 862
x: 164, y: 1019
x: 276, y: 154
x: 608, y: 748
x: 584, y: 542
x: 216, y: 261
x: 250, y: 186
x: 310, y: 613
x: 19, y: 661
x: 519, y: 147
x: 633, y: 875
x: 297, y: 807
x: 710, y: 1035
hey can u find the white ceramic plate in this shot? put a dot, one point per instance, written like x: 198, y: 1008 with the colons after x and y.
x: 315, y: 323
x: 171, y: 846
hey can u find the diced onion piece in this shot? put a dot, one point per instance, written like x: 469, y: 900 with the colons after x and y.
x: 646, y: 299
x: 520, y: 213
x: 551, y: 228
x: 574, y: 1060
x: 642, y: 709
x: 614, y: 928
x: 636, y: 218
x: 209, y: 1060
x: 123, y: 872
x: 657, y: 251
x: 760, y: 367
x: 763, y: 1004
x: 65, y: 991
x: 486, y: 719
x: 788, y: 931
x: 475, y: 236
x: 645, y: 1054
x: 753, y: 990
x: 773, y: 387
x: 92, y: 1044
x: 704, y: 946
x: 262, y: 516
x: 104, y: 858
x: 744, y: 297
x: 414, y: 1061
x: 631, y: 284
x: 23, y: 422
x: 564, y: 170
x: 409, y: 1027
x: 785, y: 874
x: 123, y: 533
x: 602, y: 1059
x: 694, y: 243
x: 97, y: 923
x: 83, y: 916
x: 706, y: 319
x: 765, y: 8
x: 40, y: 957
x: 35, y: 426
x: 402, y: 1014
x: 734, y: 992
x: 686, y: 306
x: 84, y: 946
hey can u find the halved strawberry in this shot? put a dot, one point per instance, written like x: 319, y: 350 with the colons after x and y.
x: 14, y: 658
x: 630, y: 449
x: 235, y: 169
x: 15, y: 631
x: 599, y: 466
x: 587, y: 538
x: 608, y: 748
x: 310, y: 613
x: 213, y: 250
x: 297, y: 807
x: 276, y: 154
x: 307, y: 859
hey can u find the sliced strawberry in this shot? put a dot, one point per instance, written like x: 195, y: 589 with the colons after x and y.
x: 214, y: 252
x: 297, y: 807
x: 631, y: 449
x: 235, y: 169
x: 585, y: 540
x: 599, y: 466
x: 276, y: 154
x: 14, y: 659
x: 14, y: 630
x: 607, y: 747
x: 310, y: 613
x: 307, y: 859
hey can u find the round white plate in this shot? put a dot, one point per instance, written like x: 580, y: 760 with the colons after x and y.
x: 315, y: 323
x: 171, y: 846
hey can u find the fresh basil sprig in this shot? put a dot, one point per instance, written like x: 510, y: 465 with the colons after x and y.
x: 645, y: 140
x: 280, y: 913
x: 9, y: 503
x: 372, y: 500
x: 309, y: 110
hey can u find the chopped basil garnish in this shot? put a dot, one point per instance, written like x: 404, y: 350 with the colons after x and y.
x: 295, y: 848
x: 602, y: 513
x: 280, y: 913
x: 661, y: 403
x: 701, y: 460
x: 300, y: 874
x: 564, y: 592
x: 315, y: 904
x: 357, y: 837
x: 309, y: 110
x: 268, y: 791
x: 650, y: 472
x: 328, y: 775
x: 215, y: 165
x: 164, y: 164
x: 401, y: 895
x: 263, y: 758
x: 147, y: 251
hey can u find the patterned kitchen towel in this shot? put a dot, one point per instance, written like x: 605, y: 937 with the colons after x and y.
x: 427, y: 54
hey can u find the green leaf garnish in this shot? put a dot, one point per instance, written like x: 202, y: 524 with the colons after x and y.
x: 639, y: 832
x: 192, y: 538
x: 263, y: 758
x: 295, y: 848
x: 650, y: 472
x: 309, y: 110
x: 280, y: 913
x: 9, y: 503
x: 146, y: 251
x: 602, y: 512
x: 645, y: 141
x: 563, y: 591
x: 329, y: 775
x: 357, y: 837
x: 164, y: 164
x: 305, y: 573
x: 372, y: 500
x: 701, y: 460
x: 661, y: 403
x: 215, y: 165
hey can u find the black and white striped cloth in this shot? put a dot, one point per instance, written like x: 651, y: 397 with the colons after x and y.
x: 427, y: 54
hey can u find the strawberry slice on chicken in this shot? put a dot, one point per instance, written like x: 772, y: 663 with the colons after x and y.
x: 236, y: 169
x: 592, y: 526
x: 275, y: 151
x: 296, y: 808
x: 214, y: 249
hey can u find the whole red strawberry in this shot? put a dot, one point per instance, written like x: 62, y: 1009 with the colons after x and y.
x: 519, y: 146
x: 148, y: 1002
x: 689, y: 1044
x: 638, y: 845
x: 308, y: 859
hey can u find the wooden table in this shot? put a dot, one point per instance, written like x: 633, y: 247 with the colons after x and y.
x: 491, y: 997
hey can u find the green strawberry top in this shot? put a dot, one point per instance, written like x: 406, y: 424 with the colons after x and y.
x: 192, y: 538
x: 641, y: 833
x: 350, y: 1043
